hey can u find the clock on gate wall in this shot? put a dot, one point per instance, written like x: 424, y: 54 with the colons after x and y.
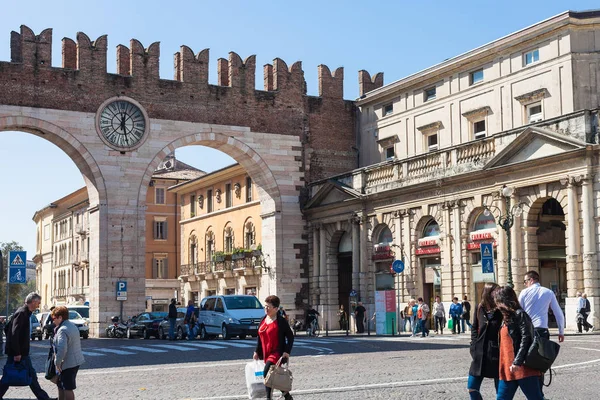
x: 122, y: 123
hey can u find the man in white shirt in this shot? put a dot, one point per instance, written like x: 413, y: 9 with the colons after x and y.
x: 536, y: 300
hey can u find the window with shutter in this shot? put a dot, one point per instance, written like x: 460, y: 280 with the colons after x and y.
x: 165, y: 269
x: 154, y: 268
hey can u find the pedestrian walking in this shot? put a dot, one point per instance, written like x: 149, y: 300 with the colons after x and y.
x: 275, y: 340
x: 583, y: 305
x: 455, y: 313
x: 465, y: 318
x: 416, y: 320
x: 67, y: 353
x: 282, y: 312
x: 536, y: 300
x: 190, y: 320
x: 172, y: 319
x: 18, y: 336
x: 422, y: 315
x: 359, y: 313
x: 516, y: 337
x: 484, y: 347
x: 439, y: 315
x: 588, y: 310
x: 343, y: 318
x: 406, y: 316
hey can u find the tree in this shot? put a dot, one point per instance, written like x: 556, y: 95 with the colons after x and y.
x: 16, y: 295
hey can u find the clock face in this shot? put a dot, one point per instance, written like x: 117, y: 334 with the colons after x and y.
x: 122, y: 124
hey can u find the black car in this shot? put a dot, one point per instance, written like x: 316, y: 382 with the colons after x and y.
x: 145, y: 324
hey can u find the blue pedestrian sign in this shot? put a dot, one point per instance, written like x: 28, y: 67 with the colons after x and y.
x: 121, y: 290
x: 398, y: 266
x: 17, y: 263
x: 487, y: 258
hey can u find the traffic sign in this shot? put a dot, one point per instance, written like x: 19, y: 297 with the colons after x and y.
x: 487, y: 258
x: 121, y: 290
x: 17, y: 271
x: 398, y: 266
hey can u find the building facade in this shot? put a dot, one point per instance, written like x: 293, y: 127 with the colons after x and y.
x: 64, y: 234
x: 221, y: 235
x: 507, y: 129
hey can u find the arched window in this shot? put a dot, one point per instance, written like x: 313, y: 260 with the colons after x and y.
x: 228, y: 239
x: 249, y: 235
x: 385, y: 236
x: 193, y: 250
x: 431, y: 229
x: 484, y: 222
x: 209, y: 245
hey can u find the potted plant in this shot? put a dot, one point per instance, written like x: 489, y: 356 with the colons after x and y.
x: 258, y: 251
x: 238, y: 253
x: 219, y: 256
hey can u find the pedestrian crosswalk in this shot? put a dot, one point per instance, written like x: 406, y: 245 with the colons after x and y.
x: 312, y: 344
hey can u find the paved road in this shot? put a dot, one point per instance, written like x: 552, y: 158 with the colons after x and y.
x: 324, y: 368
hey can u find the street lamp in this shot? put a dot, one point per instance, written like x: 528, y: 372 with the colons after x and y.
x: 506, y: 221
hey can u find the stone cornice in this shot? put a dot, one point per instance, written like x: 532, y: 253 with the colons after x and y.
x: 532, y: 96
x: 430, y: 127
x: 478, y: 112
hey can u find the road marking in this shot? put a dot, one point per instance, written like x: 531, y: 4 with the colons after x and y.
x: 203, y: 345
x: 173, y: 347
x: 115, y: 351
x: 233, y: 344
x: 146, y: 349
x: 585, y: 348
x: 110, y: 371
x: 92, y: 354
x: 314, y: 341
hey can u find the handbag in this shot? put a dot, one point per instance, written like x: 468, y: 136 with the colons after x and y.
x: 15, y: 374
x: 542, y: 353
x: 279, y: 377
x: 50, y: 367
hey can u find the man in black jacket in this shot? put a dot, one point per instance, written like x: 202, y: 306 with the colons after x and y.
x: 18, y: 335
x: 172, y: 319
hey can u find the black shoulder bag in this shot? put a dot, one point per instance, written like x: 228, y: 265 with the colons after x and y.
x: 542, y: 353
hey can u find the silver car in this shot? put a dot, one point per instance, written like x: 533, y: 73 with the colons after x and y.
x: 180, y: 328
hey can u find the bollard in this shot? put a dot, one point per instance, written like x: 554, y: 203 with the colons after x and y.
x: 393, y: 330
x: 326, y: 328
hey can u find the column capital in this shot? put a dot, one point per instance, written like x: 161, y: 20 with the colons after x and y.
x: 400, y: 213
x: 316, y: 225
x: 571, y: 180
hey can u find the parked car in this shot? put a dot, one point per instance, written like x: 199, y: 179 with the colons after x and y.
x: 84, y: 311
x: 36, y: 328
x: 46, y: 323
x: 81, y: 323
x: 230, y: 315
x: 180, y: 329
x: 145, y: 324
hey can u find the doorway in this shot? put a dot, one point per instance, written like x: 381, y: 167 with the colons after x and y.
x: 344, y: 279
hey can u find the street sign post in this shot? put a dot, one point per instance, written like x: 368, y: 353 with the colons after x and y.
x: 17, y: 262
x: 121, y: 290
x: 398, y: 266
x: 487, y: 258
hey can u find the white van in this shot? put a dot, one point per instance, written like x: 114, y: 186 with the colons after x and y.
x: 84, y: 311
x: 230, y: 315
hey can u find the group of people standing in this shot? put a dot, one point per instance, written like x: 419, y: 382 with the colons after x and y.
x: 416, y: 314
x: 503, y: 330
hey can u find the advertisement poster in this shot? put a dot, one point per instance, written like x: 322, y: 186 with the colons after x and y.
x: 385, y: 312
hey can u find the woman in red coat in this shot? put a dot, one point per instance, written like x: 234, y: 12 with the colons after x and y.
x: 275, y: 339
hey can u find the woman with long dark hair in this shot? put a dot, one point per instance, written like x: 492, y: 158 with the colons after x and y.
x: 485, y: 351
x: 516, y: 337
x: 275, y: 339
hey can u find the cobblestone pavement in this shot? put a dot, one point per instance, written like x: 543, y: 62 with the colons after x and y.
x: 324, y: 368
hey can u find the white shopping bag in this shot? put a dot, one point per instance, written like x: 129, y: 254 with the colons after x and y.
x: 255, y: 380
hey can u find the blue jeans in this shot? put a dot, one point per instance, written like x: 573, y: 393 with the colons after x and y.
x: 529, y: 386
x: 405, y: 322
x: 35, y: 384
x: 423, y: 325
x: 467, y: 322
x: 172, y: 322
x: 474, y: 385
x: 415, y: 324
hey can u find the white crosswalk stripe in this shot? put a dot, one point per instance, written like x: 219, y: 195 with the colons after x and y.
x: 146, y: 349
x: 202, y: 345
x: 174, y: 347
x: 234, y: 344
x: 115, y: 351
x: 92, y: 354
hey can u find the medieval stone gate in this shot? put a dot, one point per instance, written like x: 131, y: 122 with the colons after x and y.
x: 281, y: 136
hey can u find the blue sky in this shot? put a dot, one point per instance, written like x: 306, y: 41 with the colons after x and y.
x: 395, y: 37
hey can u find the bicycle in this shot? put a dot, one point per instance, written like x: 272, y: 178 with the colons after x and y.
x: 313, y: 328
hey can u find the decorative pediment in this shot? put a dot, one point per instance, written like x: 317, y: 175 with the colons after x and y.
x: 534, y: 143
x: 332, y: 192
x: 533, y: 96
x: 437, y: 125
x: 388, y: 141
x: 477, y: 113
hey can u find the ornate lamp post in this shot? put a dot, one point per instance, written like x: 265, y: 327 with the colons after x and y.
x: 506, y: 221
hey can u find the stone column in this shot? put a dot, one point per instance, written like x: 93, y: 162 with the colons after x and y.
x: 448, y: 277
x: 516, y: 244
x: 323, y: 265
x: 501, y: 249
x: 590, y: 271
x: 316, y: 264
x: 459, y: 267
x: 574, y: 281
x: 355, y: 254
x: 364, y: 260
x: 410, y: 269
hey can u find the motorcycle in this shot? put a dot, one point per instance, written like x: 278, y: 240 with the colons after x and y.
x: 117, y: 329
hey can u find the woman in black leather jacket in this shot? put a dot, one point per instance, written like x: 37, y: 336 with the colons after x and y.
x: 516, y: 336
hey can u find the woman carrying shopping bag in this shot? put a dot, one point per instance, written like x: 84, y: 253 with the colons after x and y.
x: 275, y: 340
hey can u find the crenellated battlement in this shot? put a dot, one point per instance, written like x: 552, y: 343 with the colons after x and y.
x: 366, y: 83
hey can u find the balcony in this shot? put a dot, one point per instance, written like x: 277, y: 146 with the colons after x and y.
x: 80, y: 259
x: 427, y: 167
x: 81, y: 229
